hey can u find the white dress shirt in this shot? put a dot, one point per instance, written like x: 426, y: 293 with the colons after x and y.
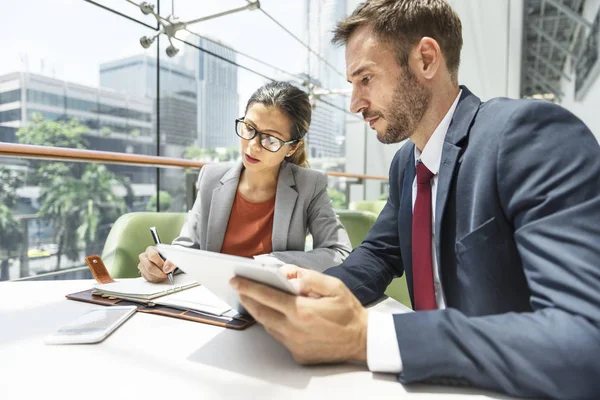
x: 383, y: 353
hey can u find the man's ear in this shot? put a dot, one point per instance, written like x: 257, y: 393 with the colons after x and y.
x: 430, y: 58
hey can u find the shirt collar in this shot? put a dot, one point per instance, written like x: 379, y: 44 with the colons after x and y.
x: 431, y: 155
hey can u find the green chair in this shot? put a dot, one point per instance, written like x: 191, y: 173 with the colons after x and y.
x: 358, y: 224
x: 130, y: 235
x: 374, y: 206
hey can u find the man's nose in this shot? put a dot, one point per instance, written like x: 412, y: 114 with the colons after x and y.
x: 357, y: 102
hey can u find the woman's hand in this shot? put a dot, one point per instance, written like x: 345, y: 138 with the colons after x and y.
x: 152, y: 267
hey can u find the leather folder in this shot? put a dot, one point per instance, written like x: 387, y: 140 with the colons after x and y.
x: 102, y: 275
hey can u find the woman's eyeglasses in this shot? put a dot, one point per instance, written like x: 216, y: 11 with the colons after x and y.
x: 268, y: 142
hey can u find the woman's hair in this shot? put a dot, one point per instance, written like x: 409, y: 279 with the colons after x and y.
x: 295, y: 104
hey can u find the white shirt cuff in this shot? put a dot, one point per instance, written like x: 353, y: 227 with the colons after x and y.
x: 383, y: 353
x: 268, y: 259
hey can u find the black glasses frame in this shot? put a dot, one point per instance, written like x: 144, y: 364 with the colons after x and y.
x: 261, y: 135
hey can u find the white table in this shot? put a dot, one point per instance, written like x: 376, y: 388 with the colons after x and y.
x: 155, y: 357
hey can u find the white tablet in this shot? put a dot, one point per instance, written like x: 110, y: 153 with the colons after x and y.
x: 93, y: 326
x: 214, y: 270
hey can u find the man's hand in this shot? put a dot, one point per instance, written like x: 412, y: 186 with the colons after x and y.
x: 152, y: 267
x: 326, y: 323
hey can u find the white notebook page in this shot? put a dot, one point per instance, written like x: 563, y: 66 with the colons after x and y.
x: 197, y: 298
x: 141, y: 288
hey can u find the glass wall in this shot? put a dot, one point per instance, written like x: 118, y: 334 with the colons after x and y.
x: 81, y: 79
x: 53, y: 214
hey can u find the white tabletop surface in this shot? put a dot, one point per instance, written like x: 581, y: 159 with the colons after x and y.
x: 156, y: 357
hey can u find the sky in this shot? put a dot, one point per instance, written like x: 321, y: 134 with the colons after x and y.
x: 68, y: 39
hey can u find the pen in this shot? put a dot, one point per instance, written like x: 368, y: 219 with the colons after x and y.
x: 156, y: 239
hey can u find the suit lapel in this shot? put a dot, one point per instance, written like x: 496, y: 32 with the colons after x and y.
x: 285, y: 202
x: 466, y: 110
x: 450, y: 154
x: 405, y: 216
x: 220, y: 208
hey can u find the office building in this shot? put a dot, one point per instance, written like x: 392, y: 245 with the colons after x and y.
x: 194, y: 77
x: 327, y: 131
x: 137, y: 76
x: 217, y: 85
x: 116, y: 121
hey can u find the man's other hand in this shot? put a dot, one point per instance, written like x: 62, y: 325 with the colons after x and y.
x: 325, y: 323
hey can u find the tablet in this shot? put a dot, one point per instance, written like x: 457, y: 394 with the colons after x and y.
x: 214, y: 270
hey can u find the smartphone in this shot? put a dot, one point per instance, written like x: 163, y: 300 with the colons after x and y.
x: 91, y: 327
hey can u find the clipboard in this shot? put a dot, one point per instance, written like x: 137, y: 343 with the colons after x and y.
x: 239, y: 322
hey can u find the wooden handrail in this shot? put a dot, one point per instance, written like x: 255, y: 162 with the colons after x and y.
x: 81, y: 155
x: 356, y: 176
x: 108, y: 157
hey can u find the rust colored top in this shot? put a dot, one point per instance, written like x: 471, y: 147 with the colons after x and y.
x: 250, y: 228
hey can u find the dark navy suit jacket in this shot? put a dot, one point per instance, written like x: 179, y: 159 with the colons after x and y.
x: 518, y: 245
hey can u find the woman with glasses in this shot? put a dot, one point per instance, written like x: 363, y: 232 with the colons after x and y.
x: 265, y: 205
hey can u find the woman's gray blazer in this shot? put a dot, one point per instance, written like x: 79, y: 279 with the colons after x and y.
x: 302, y: 206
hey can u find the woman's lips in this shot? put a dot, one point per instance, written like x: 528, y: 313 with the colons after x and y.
x: 251, y: 160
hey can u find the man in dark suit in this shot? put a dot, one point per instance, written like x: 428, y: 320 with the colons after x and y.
x: 493, y: 214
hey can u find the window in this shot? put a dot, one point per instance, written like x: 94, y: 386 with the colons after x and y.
x: 11, y: 115
x: 57, y: 72
x: 77, y: 69
x: 10, y: 97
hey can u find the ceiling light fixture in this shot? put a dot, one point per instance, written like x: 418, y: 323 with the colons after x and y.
x: 171, y: 24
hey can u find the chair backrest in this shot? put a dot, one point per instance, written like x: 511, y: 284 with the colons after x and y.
x: 374, y: 206
x: 130, y: 235
x: 357, y: 224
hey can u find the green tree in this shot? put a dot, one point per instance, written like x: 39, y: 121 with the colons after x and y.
x: 41, y: 132
x: 77, y: 208
x: 76, y: 198
x: 10, y: 228
x: 165, y: 201
x: 231, y: 154
x: 196, y: 153
x: 103, y: 205
x: 338, y: 199
x: 221, y: 154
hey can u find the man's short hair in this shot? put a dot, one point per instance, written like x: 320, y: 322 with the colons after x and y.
x: 402, y: 23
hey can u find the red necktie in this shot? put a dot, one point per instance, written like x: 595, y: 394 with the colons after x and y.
x: 422, y: 265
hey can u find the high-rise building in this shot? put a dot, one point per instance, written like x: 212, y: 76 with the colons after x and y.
x: 193, y: 75
x: 323, y: 15
x: 117, y: 122
x: 217, y: 84
x: 326, y: 134
x: 137, y: 75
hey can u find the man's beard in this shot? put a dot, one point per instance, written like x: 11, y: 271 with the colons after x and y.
x: 410, y: 101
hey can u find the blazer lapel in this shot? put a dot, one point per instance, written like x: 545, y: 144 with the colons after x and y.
x: 405, y: 216
x: 220, y: 208
x: 466, y: 110
x: 285, y: 202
